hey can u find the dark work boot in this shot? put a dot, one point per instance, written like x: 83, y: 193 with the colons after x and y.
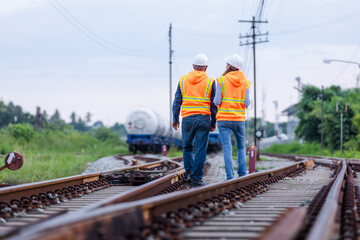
x: 197, y: 183
x: 187, y: 177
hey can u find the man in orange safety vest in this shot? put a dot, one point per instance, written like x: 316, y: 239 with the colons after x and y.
x: 232, y: 97
x: 195, y: 94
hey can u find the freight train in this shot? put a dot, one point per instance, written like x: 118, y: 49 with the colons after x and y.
x: 147, y: 132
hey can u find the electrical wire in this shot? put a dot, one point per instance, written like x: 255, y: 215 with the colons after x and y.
x: 207, y: 34
x: 277, y: 14
x: 346, y: 65
x: 322, y: 24
x: 98, y: 39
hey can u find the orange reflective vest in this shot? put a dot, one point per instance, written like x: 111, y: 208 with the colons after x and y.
x: 233, y: 87
x: 196, y: 89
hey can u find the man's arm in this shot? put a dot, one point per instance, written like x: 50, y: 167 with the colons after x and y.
x: 213, y: 108
x: 176, y: 108
x: 218, y: 94
x: 247, y: 98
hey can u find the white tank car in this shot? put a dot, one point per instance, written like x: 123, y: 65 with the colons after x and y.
x: 143, y: 121
x: 147, y: 131
x: 214, y: 141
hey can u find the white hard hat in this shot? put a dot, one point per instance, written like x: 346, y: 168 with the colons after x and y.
x: 200, y: 60
x: 235, y: 61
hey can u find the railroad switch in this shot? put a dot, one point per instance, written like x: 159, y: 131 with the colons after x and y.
x: 131, y: 178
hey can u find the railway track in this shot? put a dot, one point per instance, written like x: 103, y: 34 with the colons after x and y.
x: 286, y: 203
x: 252, y: 217
x: 27, y: 204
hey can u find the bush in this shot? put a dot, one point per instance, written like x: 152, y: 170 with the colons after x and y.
x: 105, y: 134
x: 21, y: 131
x: 5, y: 148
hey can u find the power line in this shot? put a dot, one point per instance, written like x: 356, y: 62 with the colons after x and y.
x: 98, y: 39
x: 277, y: 14
x: 320, y: 25
x: 347, y: 65
x: 96, y: 35
x: 207, y: 34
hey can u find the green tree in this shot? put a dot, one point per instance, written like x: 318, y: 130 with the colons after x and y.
x: 119, y: 129
x: 309, y: 113
x: 80, y: 125
x: 88, y: 117
x: 106, y: 134
x: 73, y: 118
x: 56, y: 116
x: 309, y: 121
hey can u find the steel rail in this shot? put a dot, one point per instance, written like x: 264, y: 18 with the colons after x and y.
x: 301, y: 157
x: 11, y: 192
x: 322, y: 227
x: 140, y: 192
x: 105, y: 222
x: 146, y: 190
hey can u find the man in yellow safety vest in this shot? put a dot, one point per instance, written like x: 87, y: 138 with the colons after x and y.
x: 232, y: 97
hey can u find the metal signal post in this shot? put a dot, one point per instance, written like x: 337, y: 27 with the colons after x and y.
x: 170, y: 80
x: 341, y: 123
x: 253, y: 43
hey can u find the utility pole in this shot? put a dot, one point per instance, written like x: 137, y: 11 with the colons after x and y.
x: 322, y: 118
x: 170, y: 79
x: 263, y: 111
x: 253, y: 43
x: 276, y: 127
x: 298, y: 88
x: 341, y: 124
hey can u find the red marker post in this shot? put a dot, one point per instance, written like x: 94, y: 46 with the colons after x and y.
x: 164, y: 151
x: 13, y: 161
x: 252, y: 159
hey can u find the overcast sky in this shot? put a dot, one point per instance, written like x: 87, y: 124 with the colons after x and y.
x: 110, y: 57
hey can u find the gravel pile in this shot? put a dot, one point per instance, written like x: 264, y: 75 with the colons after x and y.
x: 103, y: 164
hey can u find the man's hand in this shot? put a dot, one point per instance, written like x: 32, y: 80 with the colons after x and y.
x: 212, y: 128
x: 176, y: 125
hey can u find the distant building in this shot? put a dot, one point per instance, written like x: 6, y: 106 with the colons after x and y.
x: 292, y: 120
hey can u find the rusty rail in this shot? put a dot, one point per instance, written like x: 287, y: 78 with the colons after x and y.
x: 298, y: 157
x: 18, y: 191
x: 17, y: 200
x: 325, y: 220
x: 147, y: 190
x: 165, y: 216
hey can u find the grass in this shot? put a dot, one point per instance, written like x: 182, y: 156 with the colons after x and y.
x: 310, y: 149
x: 52, y: 154
x: 174, y: 152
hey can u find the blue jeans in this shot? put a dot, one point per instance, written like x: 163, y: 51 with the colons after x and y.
x: 195, y: 130
x: 238, y: 128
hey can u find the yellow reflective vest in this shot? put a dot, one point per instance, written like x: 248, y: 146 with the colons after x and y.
x: 233, y: 87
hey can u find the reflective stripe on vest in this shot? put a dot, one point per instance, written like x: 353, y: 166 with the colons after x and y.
x: 199, y: 104
x: 231, y: 110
